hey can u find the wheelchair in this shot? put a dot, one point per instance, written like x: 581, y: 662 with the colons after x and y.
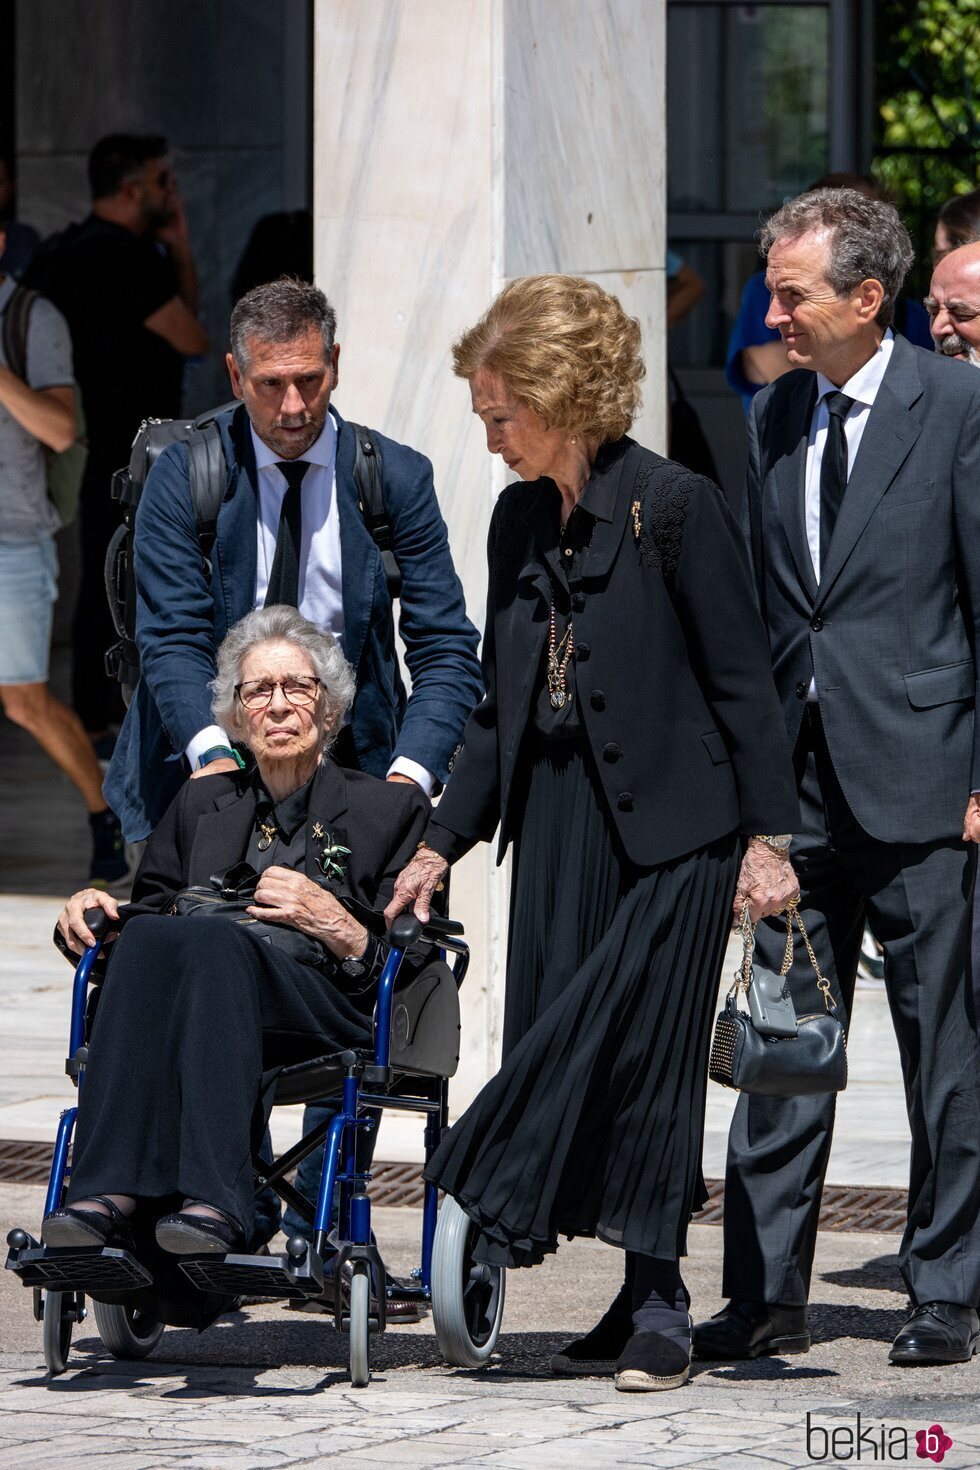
x: 416, y: 1051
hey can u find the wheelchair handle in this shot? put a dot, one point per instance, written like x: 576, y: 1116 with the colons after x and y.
x: 97, y: 920
x: 406, y: 929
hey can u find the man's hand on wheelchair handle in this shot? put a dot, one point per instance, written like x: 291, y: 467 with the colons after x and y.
x: 283, y: 896
x: 72, y: 926
x: 417, y: 882
x: 766, y: 882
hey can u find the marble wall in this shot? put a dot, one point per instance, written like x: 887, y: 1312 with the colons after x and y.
x: 457, y: 145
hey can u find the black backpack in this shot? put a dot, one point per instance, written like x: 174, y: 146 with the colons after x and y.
x: 208, y: 474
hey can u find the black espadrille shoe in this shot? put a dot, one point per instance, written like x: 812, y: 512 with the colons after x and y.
x: 653, y: 1361
x: 595, y: 1354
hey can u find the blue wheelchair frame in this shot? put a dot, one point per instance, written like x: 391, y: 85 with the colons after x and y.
x: 365, y: 1086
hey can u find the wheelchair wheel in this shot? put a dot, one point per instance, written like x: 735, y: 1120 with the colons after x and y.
x: 360, y: 1312
x: 59, y: 1318
x: 467, y: 1296
x: 127, y: 1332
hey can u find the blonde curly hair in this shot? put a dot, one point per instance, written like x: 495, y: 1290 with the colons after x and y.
x: 565, y: 348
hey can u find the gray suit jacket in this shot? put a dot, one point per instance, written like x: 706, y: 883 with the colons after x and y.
x: 891, y: 632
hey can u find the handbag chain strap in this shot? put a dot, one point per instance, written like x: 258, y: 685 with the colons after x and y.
x: 743, y: 976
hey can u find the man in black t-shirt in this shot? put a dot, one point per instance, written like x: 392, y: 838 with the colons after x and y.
x: 126, y: 283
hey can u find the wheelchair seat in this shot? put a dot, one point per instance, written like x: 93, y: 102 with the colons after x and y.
x: 425, y: 1032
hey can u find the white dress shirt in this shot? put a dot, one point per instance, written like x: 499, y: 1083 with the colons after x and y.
x: 321, y: 597
x: 863, y: 388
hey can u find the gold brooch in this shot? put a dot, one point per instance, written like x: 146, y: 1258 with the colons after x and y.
x: 637, y: 523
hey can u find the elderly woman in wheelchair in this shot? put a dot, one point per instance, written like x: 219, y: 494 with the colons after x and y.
x: 252, y: 965
x: 204, y: 994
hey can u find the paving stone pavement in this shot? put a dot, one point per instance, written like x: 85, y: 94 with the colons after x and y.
x: 268, y: 1387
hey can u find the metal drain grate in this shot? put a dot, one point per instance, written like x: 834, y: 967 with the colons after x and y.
x: 843, y: 1208
x: 24, y: 1163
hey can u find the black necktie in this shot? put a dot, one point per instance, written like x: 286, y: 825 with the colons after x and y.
x: 833, y: 470
x: 284, y: 577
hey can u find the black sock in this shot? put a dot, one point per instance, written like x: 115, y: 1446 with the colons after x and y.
x: 660, y: 1300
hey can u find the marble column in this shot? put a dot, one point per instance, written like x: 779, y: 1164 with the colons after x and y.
x: 457, y: 144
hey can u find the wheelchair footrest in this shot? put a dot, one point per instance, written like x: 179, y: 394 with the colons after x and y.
x: 272, y: 1276
x: 87, y: 1270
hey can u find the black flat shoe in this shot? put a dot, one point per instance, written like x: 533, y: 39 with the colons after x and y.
x: 73, y: 1228
x: 937, y: 1332
x: 752, y: 1329
x: 595, y: 1354
x: 196, y: 1235
x: 654, y: 1361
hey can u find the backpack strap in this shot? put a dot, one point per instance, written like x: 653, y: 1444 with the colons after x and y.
x: 368, y: 477
x: 207, y: 470
x: 16, y: 322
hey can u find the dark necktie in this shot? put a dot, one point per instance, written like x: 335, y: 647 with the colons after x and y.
x: 833, y: 470
x: 284, y: 577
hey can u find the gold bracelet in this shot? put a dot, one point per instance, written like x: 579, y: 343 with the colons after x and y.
x: 440, y: 886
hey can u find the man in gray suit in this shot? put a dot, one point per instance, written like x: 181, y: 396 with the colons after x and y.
x: 862, y: 515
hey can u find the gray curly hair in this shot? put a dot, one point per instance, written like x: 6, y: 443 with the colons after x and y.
x: 273, y: 625
x: 867, y: 240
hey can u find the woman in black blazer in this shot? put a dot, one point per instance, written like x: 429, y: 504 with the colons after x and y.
x: 631, y: 747
x: 196, y: 1006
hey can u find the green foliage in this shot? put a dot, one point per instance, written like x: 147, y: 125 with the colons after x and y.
x: 928, y: 116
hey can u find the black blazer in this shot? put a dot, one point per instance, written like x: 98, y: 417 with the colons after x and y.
x: 671, y: 666
x: 891, y: 633
x: 206, y: 828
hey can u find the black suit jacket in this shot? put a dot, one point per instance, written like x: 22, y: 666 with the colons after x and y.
x: 891, y: 631
x: 205, y: 831
x: 671, y: 666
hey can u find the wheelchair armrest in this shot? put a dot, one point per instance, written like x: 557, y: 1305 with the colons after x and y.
x: 406, y: 930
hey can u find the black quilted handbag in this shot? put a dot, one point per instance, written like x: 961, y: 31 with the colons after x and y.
x: 744, y: 1057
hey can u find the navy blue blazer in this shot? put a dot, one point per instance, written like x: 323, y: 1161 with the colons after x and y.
x: 184, y: 611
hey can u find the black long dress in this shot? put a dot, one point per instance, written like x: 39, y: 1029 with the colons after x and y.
x: 594, y: 1123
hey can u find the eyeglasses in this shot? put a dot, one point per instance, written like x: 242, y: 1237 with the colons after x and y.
x: 257, y: 693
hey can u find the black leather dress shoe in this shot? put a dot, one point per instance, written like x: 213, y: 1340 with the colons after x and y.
x: 937, y: 1332
x: 751, y: 1329
x: 395, y: 1311
x: 195, y: 1235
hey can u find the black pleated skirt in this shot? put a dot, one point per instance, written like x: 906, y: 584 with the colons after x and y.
x: 594, y: 1123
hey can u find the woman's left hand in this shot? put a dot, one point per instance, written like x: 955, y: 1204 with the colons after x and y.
x: 766, y: 882
x: 283, y: 896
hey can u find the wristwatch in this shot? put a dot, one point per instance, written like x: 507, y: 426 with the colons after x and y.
x: 220, y: 753
x: 368, y: 966
x: 778, y: 843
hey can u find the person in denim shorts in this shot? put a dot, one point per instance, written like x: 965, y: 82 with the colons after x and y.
x: 38, y: 411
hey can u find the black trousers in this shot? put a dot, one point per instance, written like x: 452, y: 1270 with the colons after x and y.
x: 193, y: 1012
x: 917, y: 900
